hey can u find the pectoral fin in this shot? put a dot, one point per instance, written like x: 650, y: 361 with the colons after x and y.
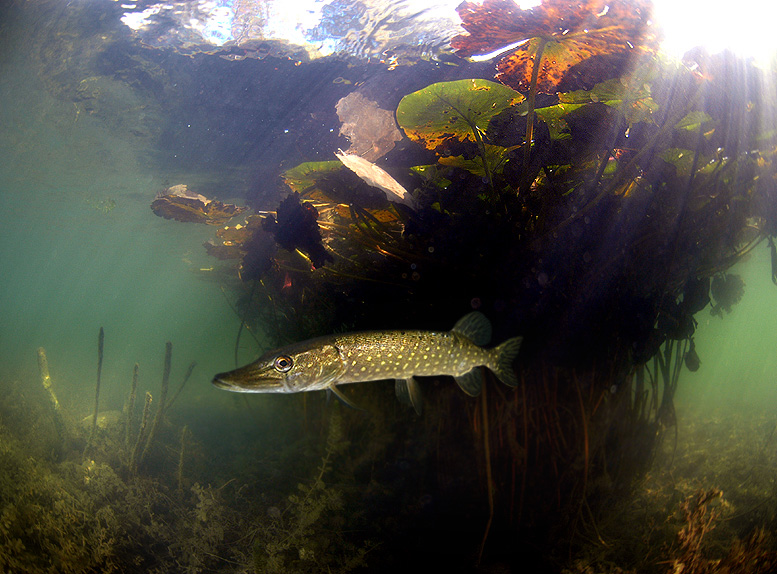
x: 343, y: 399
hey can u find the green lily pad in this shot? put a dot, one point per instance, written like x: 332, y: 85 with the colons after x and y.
x: 458, y: 110
x: 636, y: 104
x: 695, y: 121
x: 304, y: 176
x: 683, y: 159
x: 553, y: 116
x: 496, y: 156
x: 433, y: 174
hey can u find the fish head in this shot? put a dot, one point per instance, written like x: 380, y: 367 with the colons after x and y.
x: 286, y: 370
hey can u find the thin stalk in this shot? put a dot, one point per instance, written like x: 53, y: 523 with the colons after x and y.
x: 486, y: 168
x: 160, y: 410
x: 100, y: 347
x: 45, y: 380
x: 183, y: 384
x: 133, y: 464
x: 131, y: 407
x: 530, y: 100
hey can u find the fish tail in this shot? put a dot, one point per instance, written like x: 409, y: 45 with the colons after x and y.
x: 504, y: 355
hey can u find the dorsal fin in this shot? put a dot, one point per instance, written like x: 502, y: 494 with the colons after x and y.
x: 475, y: 327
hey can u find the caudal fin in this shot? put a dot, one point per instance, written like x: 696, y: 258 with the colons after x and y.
x: 503, y: 363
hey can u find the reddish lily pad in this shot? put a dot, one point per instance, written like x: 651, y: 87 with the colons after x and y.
x: 568, y: 33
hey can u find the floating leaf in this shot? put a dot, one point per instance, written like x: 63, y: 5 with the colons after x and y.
x: 693, y: 121
x: 455, y: 111
x: 567, y: 33
x: 636, y: 105
x: 371, y: 130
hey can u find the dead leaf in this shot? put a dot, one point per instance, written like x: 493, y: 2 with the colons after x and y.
x: 180, y: 204
x: 568, y: 33
x: 377, y: 177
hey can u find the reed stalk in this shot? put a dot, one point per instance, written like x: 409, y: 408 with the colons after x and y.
x: 179, y: 471
x: 131, y: 407
x: 160, y: 410
x: 133, y: 465
x: 45, y: 379
x: 100, y: 348
x: 183, y: 384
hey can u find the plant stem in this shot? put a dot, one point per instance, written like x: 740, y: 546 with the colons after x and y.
x: 100, y: 347
x: 530, y: 99
x: 486, y: 168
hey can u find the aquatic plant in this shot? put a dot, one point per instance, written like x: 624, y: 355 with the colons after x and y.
x: 701, y: 512
x: 443, y: 116
x: 302, y: 537
x: 93, y: 429
x: 160, y: 409
x: 595, y: 214
x: 60, y: 422
x: 727, y: 289
x: 130, y: 408
x: 60, y: 512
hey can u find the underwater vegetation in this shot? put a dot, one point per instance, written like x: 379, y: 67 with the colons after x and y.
x: 89, y: 496
x: 592, y: 201
x: 118, y: 492
x: 591, y: 196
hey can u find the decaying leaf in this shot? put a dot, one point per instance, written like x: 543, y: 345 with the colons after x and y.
x: 371, y: 130
x: 567, y: 33
x: 180, y: 204
x: 240, y: 233
x: 377, y: 177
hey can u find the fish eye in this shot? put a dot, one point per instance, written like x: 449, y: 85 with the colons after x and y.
x: 283, y: 363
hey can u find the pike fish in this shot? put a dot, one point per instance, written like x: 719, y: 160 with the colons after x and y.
x: 325, y: 362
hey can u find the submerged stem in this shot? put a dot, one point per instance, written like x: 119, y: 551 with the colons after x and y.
x: 530, y: 99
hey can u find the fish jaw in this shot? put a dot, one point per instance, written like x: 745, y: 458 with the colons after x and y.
x: 257, y: 377
x: 308, y: 367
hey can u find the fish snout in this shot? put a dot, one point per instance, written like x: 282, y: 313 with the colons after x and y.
x: 245, y: 380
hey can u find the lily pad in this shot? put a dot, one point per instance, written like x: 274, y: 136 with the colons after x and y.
x: 635, y: 103
x: 695, y: 121
x: 305, y: 176
x: 496, y: 156
x: 566, y: 33
x: 455, y: 111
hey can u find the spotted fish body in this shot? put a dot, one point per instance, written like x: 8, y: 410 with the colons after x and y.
x: 325, y: 362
